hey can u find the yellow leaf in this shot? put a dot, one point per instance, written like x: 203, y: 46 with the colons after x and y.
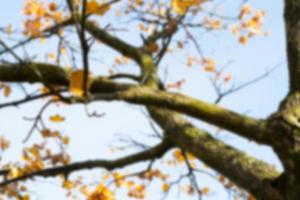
x: 129, y: 184
x: 243, y: 40
x: 26, y: 197
x: 66, y: 140
x: 68, y: 184
x: 205, y: 190
x: 6, y: 90
x: 76, y: 82
x: 84, y: 190
x: 94, y: 7
x: 165, y: 187
x: 34, y: 7
x: 34, y: 150
x: 246, y: 9
x: 56, y: 118
x: 209, y: 65
x: 182, y: 6
x: 32, y: 27
x: 4, y: 143
x: 15, y: 172
x: 101, y: 192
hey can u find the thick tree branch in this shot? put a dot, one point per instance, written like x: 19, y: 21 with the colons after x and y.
x: 292, y: 23
x: 248, y: 172
x: 52, y: 75
x: 28, y: 72
x: 149, y: 154
x: 104, y: 89
x: 242, y: 125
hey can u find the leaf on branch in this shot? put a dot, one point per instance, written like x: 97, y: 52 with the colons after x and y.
x: 153, y: 47
x: 6, y: 90
x: 205, y: 190
x: 165, y: 187
x: 101, y: 192
x: 66, y: 140
x: 209, y: 65
x: 52, y: 6
x: 4, y: 143
x: 182, y: 6
x: 243, y: 40
x: 57, y: 118
x: 94, y: 7
x: 76, y: 82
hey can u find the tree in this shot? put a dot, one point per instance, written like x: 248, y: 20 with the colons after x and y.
x: 159, y: 23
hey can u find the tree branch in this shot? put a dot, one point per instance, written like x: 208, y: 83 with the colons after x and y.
x: 248, y: 172
x: 152, y: 153
x: 113, y: 42
x: 105, y: 89
x: 292, y: 23
x: 244, y: 126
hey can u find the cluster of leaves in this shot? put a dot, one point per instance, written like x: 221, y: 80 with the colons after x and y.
x: 35, y: 158
x: 39, y: 16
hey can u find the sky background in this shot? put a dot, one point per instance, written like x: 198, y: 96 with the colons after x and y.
x: 91, y: 138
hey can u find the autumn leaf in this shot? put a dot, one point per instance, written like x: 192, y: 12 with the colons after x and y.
x: 76, y: 82
x: 56, y: 118
x: 227, y: 78
x: 14, y: 172
x: 6, y: 90
x: 32, y: 27
x: 209, y: 65
x: 94, y: 7
x: 243, y: 40
x: 33, y: 7
x: 101, y: 192
x: 68, y: 184
x: 205, y: 190
x: 25, y: 197
x: 139, y: 192
x: 66, y: 140
x: 182, y: 6
x: 4, y: 143
x: 246, y: 9
x: 48, y: 133
x: 153, y: 47
x: 212, y: 23
x: 165, y: 187
x: 52, y: 6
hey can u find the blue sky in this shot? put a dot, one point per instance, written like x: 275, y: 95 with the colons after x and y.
x: 91, y: 137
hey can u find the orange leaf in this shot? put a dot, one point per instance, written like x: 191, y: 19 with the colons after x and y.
x: 243, y: 40
x: 68, y: 184
x: 66, y: 140
x: 94, y: 7
x: 165, y: 187
x: 57, y: 118
x: 6, y: 90
x: 153, y: 47
x: 76, y: 83
x: 205, y: 190
x: 52, y: 6
x: 182, y: 6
